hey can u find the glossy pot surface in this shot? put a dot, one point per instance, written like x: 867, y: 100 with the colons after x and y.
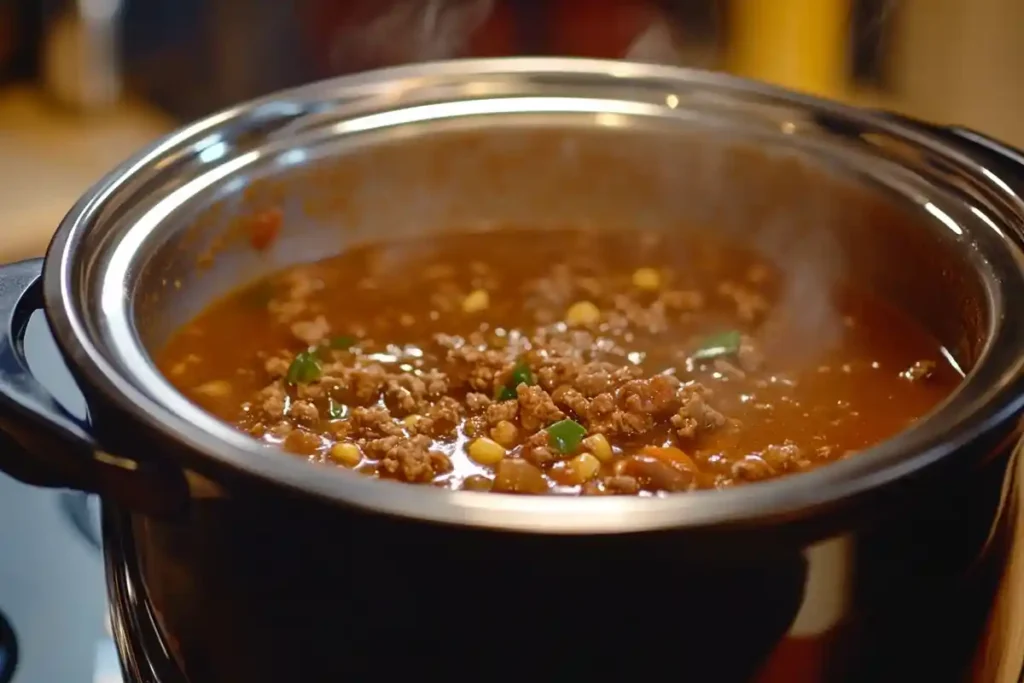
x: 879, y: 567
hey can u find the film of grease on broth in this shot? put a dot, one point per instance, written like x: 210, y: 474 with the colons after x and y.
x: 526, y: 360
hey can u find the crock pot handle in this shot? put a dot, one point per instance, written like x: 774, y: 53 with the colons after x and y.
x: 41, y: 443
x: 1001, y: 159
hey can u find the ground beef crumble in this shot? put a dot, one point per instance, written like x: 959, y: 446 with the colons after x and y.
x: 399, y: 419
x: 502, y: 410
x: 695, y: 415
x: 536, y: 409
x: 412, y: 460
x: 536, y: 450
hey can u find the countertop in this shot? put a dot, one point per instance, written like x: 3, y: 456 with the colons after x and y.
x: 51, y: 581
x: 50, y: 156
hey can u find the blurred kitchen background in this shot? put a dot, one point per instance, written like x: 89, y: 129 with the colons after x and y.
x: 85, y: 82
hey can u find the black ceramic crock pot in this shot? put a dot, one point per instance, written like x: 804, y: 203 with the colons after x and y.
x: 258, y: 566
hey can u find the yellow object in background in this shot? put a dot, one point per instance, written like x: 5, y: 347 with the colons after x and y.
x: 798, y: 44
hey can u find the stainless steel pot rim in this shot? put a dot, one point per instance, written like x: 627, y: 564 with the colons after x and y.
x: 213, y: 444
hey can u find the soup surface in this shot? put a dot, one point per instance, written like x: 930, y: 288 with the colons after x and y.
x: 560, y: 361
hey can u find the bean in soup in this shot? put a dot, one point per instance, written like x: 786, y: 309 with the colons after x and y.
x: 559, y: 361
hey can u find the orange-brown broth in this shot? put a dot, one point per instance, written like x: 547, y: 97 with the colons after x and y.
x: 819, y: 398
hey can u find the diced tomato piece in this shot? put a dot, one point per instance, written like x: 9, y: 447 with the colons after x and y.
x: 263, y: 228
x: 671, y: 456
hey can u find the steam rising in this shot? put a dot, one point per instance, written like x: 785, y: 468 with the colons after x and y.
x: 406, y: 32
x: 804, y: 323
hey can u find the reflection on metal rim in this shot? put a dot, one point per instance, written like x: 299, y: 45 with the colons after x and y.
x: 144, y: 656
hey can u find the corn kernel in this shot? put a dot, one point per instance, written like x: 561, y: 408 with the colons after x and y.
x: 410, y: 421
x: 505, y: 433
x: 598, y: 445
x: 347, y: 454
x: 584, y: 467
x: 646, y: 278
x: 478, y: 300
x: 485, y: 451
x: 582, y: 313
x: 218, y: 388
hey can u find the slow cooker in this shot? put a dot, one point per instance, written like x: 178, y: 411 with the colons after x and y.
x: 235, y: 562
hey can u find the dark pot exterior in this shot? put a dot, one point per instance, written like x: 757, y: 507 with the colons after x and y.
x: 268, y: 590
x: 228, y: 563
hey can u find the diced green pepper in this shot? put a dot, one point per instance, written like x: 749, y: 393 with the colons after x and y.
x: 566, y: 435
x: 521, y: 374
x: 505, y: 393
x: 335, y: 410
x: 304, y: 369
x: 717, y: 345
x: 342, y: 342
